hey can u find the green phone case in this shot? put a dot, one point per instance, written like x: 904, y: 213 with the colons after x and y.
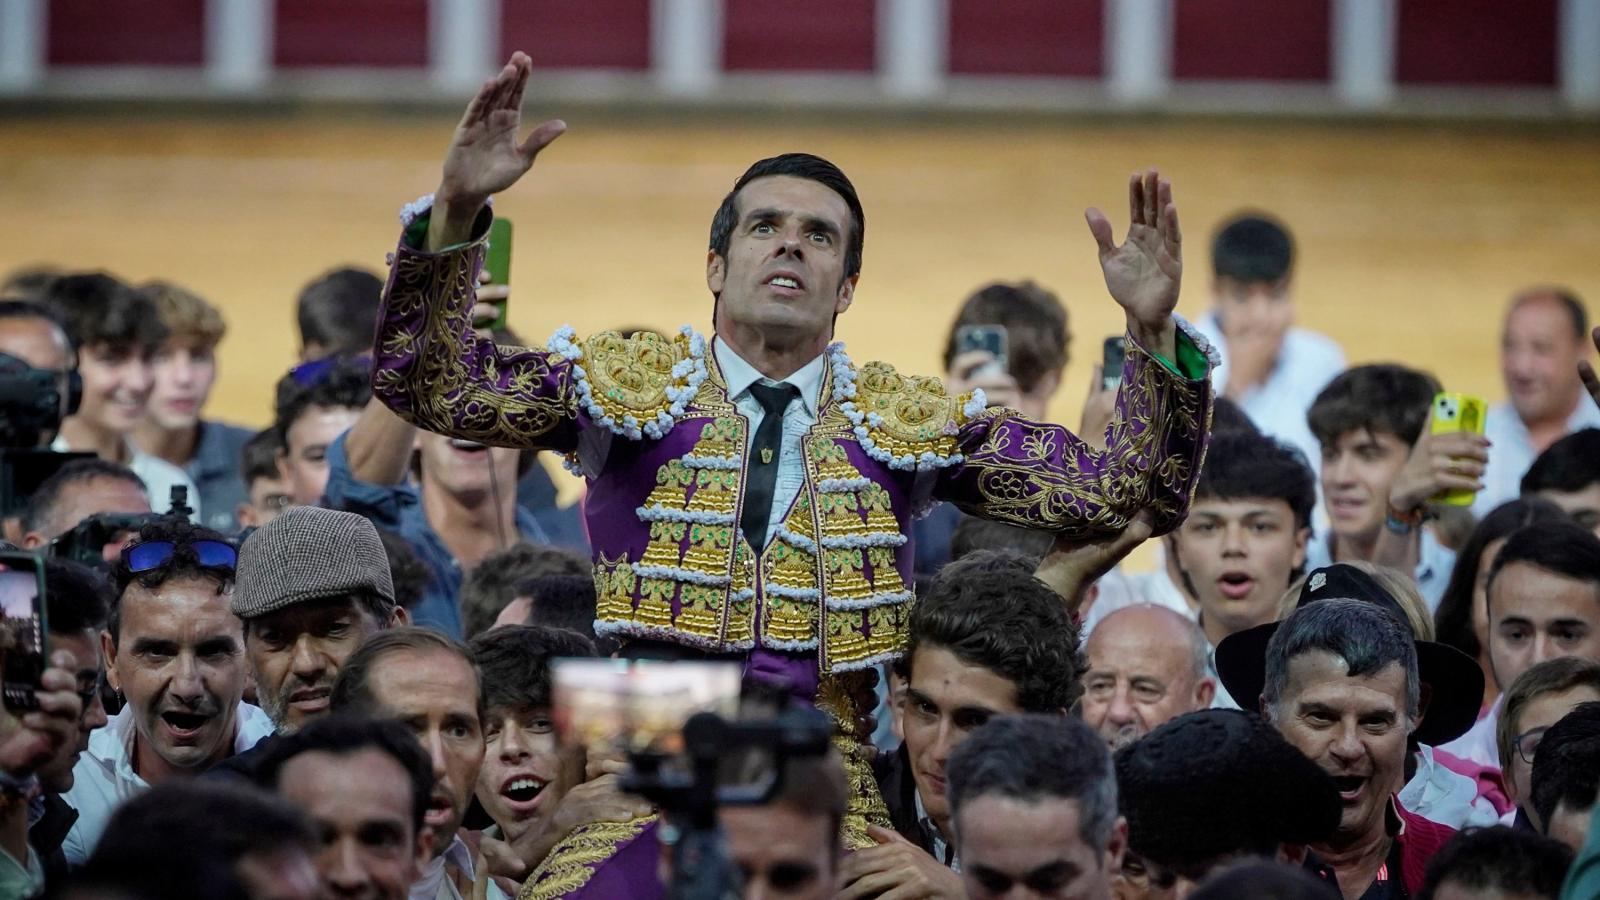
x: 497, y: 262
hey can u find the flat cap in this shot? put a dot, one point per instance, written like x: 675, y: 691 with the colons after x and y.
x: 309, y: 553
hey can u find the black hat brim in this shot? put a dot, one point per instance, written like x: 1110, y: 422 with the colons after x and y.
x: 1452, y: 681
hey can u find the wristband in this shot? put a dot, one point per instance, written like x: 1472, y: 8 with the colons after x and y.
x: 1403, y: 523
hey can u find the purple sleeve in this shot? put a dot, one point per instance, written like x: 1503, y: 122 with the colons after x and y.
x: 1045, y: 477
x: 434, y: 371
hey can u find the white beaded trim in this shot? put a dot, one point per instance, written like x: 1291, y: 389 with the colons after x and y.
x: 778, y: 644
x: 722, y: 463
x: 860, y: 541
x: 414, y: 210
x: 605, y: 628
x: 692, y: 370
x: 867, y: 663
x: 882, y: 599
x: 796, y: 539
x: 810, y: 595
x: 1200, y: 341
x: 674, y: 573
x: 843, y: 485
x: 659, y: 513
x: 844, y: 389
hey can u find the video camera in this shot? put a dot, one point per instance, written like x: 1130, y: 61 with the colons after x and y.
x: 86, y: 541
x: 33, y: 402
x: 691, y: 749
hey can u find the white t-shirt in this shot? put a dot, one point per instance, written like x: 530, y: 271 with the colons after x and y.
x: 1511, y: 452
x: 158, y: 475
x: 1435, y: 561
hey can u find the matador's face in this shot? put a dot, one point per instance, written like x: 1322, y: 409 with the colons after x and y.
x: 783, y: 278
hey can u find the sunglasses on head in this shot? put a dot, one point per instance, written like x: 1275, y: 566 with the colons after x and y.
x: 155, y: 554
x: 309, y: 374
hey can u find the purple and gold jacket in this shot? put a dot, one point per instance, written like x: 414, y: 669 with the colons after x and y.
x: 648, y: 422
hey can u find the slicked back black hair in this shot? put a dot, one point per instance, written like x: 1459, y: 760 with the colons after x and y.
x: 795, y: 165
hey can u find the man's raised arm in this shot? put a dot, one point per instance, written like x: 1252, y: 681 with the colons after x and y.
x: 429, y: 364
x: 1043, y: 476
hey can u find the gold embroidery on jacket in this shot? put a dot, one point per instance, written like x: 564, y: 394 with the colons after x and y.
x: 629, y: 376
x: 572, y: 862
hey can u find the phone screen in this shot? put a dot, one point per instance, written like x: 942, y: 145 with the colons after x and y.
x: 991, y: 339
x: 1115, y: 351
x: 20, y: 579
x: 638, y: 706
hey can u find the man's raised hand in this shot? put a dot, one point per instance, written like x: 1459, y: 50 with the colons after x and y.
x: 1144, y: 273
x: 485, y: 156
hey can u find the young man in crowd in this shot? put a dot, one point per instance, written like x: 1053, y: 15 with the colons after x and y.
x: 29, y: 744
x: 462, y: 508
x: 1342, y: 686
x: 175, y: 651
x: 197, y: 838
x: 117, y: 332
x: 1566, y: 776
x: 1543, y: 603
x: 78, y: 490
x: 1536, y: 700
x: 988, y: 639
x: 1568, y: 475
x: 337, y: 314
x: 1210, y: 788
x: 534, y: 792
x: 494, y: 586
x: 315, y: 405
x: 1497, y: 862
x: 1036, y: 340
x: 429, y: 683
x: 1270, y: 367
x: 1545, y: 337
x: 1147, y: 665
x: 366, y: 786
x: 1380, y: 469
x: 1245, y: 539
x: 77, y: 601
x: 266, y: 493
x: 183, y: 371
x: 1033, y: 807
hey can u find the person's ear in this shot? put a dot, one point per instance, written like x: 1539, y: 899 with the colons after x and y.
x: 716, y: 271
x: 246, y: 514
x: 400, y: 617
x: 1117, y: 846
x: 1302, y: 537
x: 33, y: 540
x: 1424, y: 696
x: 109, y: 651
x: 424, y: 853
x: 1205, y: 692
x: 1293, y: 854
x: 847, y: 294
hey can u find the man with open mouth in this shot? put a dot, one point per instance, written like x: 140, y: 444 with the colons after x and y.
x: 1341, y: 682
x: 175, y: 651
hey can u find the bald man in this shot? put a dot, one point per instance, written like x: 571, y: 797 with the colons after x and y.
x: 1147, y: 664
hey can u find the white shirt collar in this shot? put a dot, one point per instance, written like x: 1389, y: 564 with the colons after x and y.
x: 740, y: 375
x: 433, y: 877
x: 111, y: 746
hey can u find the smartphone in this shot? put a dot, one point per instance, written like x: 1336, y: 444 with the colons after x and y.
x: 625, y: 706
x: 1112, y: 356
x: 497, y: 262
x: 991, y: 339
x: 1454, y: 413
x: 22, y: 605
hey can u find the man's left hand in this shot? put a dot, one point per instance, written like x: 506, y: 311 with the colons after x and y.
x: 1074, y: 564
x: 896, y: 869
x: 1144, y: 273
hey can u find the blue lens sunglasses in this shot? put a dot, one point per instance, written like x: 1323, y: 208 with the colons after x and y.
x: 152, y: 555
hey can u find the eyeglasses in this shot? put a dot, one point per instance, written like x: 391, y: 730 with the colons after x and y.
x: 1527, y: 743
x: 155, y: 554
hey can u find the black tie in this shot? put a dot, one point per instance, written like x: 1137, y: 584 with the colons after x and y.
x: 764, y: 455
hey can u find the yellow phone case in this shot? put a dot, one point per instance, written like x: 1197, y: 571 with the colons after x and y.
x: 1453, y: 413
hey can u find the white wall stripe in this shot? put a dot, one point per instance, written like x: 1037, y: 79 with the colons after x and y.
x: 239, y: 42
x: 463, y: 43
x: 913, y: 47
x: 686, y: 45
x: 1363, y: 48
x: 1578, y: 55
x: 1138, y: 36
x: 23, y: 26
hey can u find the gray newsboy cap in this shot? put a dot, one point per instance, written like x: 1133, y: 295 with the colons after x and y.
x: 309, y: 553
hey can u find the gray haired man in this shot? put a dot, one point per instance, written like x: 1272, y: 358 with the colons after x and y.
x: 312, y: 585
x: 1342, y: 687
x: 1033, y: 799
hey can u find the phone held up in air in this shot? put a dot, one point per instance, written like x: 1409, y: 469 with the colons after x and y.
x: 23, y: 609
x: 991, y: 339
x: 497, y: 263
x: 1116, y: 350
x: 1457, y: 413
